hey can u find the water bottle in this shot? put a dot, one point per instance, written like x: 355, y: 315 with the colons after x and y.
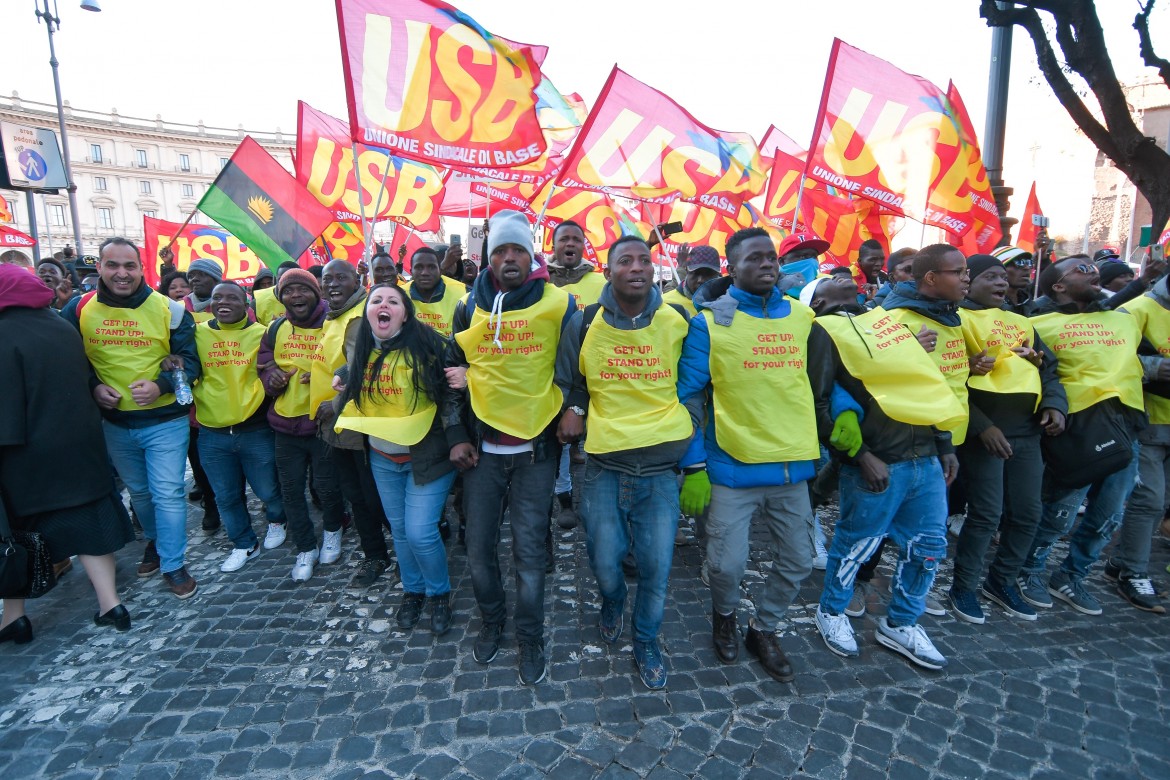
x: 182, y: 387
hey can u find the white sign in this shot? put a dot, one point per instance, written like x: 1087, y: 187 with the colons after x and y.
x: 33, y: 157
x: 474, y: 245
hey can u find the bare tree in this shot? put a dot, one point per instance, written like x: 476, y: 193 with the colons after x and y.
x: 1081, y: 41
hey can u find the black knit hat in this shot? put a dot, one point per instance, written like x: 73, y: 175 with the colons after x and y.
x: 1111, y: 269
x: 977, y: 264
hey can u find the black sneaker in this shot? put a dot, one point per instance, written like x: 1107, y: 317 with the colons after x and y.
x: 487, y: 644
x: 1139, y: 591
x: 1009, y: 597
x: 567, y: 517
x: 531, y: 662
x: 610, y: 622
x: 369, y: 572
x: 211, y: 521
x: 410, y: 610
x: 444, y: 530
x: 1112, y: 571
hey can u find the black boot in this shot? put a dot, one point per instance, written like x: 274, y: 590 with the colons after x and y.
x: 725, y: 637
x: 440, y: 614
x: 411, y: 610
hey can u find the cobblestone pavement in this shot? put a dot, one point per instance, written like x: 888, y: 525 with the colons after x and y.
x: 260, y: 676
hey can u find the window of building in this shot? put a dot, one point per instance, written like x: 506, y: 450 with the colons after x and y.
x: 95, y: 152
x: 57, y: 215
x: 144, y: 187
x: 223, y: 161
x: 150, y: 213
x: 140, y: 155
x: 184, y: 162
x: 99, y: 183
x: 188, y: 190
x: 106, y: 218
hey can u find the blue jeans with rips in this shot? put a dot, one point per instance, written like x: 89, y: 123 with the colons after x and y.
x: 229, y: 458
x: 912, y: 512
x: 612, y: 505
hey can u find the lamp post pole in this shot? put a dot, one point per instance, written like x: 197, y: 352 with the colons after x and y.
x: 994, y: 131
x: 52, y: 22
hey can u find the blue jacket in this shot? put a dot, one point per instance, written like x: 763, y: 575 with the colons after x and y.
x: 726, y: 301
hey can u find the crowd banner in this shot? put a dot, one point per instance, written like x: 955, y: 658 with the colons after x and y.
x: 601, y: 218
x: 191, y: 242
x: 262, y: 204
x: 974, y: 191
x: 885, y: 135
x: 324, y: 165
x: 637, y: 142
x: 427, y: 82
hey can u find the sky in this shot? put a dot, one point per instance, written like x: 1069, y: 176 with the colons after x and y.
x: 247, y: 62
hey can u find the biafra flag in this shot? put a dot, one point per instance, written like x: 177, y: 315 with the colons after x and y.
x: 261, y: 203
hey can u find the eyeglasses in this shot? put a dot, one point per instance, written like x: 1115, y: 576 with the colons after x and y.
x: 1019, y: 263
x: 956, y: 271
x: 1083, y: 268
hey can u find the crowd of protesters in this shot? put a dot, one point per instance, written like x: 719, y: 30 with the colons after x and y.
x: 1019, y: 404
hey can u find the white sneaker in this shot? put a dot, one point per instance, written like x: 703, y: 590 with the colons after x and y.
x: 705, y: 575
x: 238, y: 558
x: 275, y: 536
x: 837, y: 633
x: 331, y: 547
x: 910, y: 641
x: 955, y: 524
x: 302, y: 570
x: 820, y: 554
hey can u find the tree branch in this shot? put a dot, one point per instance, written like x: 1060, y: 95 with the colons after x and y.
x: 1141, y: 23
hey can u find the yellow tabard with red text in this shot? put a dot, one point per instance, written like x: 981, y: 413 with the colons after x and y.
x: 332, y: 347
x: 1154, y: 322
x: 439, y: 314
x: 950, y: 355
x: 511, y: 384
x: 229, y: 390
x: 884, y: 355
x: 125, y: 345
x: 202, y: 316
x: 395, y: 413
x: 586, y: 291
x: 296, y: 348
x: 1097, y: 356
x: 997, y: 331
x: 763, y: 400
x: 632, y: 377
x: 268, y: 308
x: 674, y: 296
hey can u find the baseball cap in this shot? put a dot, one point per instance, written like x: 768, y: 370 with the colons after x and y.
x: 1011, y: 254
x: 703, y: 257
x: 1105, y: 253
x: 802, y: 241
x: 810, y: 289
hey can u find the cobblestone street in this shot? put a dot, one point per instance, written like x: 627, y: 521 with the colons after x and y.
x: 260, y: 676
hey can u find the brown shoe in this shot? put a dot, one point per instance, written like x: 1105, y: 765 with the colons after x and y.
x: 181, y: 583
x: 62, y: 567
x: 575, y: 454
x: 725, y: 637
x: 766, y: 647
x: 150, y: 560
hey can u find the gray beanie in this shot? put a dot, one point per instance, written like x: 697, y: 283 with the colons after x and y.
x: 509, y: 227
x: 207, y: 266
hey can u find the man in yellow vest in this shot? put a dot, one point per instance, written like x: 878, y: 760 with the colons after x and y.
x: 894, y: 483
x: 1102, y: 377
x: 507, y: 334
x: 622, y: 354
x: 434, y: 299
x: 235, y: 440
x: 128, y: 329
x: 203, y: 275
x: 264, y: 301
x: 701, y: 265
x: 750, y: 345
x: 1012, y: 407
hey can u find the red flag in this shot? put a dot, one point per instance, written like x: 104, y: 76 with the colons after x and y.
x: 239, y: 263
x: 408, y: 238
x: 5, y: 210
x: 601, y: 219
x: 639, y: 143
x: 324, y: 164
x: 973, y: 191
x: 426, y: 81
x: 1026, y: 239
x: 11, y: 237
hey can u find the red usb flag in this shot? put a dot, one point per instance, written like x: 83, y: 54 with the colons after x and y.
x: 239, y: 263
x: 1026, y: 239
x: 639, y: 143
x: 890, y: 137
x: 426, y: 81
x: 972, y: 190
x: 324, y: 164
x: 601, y: 218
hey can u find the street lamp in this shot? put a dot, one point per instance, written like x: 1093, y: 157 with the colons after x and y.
x: 52, y: 23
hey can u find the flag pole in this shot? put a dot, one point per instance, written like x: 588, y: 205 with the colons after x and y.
x: 540, y: 217
x: 377, y: 205
x: 662, y: 247
x: 357, y: 176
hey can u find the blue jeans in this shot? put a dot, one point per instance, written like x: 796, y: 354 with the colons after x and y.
x: 611, y: 504
x: 912, y: 512
x: 152, y: 462
x: 564, y: 482
x: 230, y: 458
x: 413, y: 511
x: 1102, y: 518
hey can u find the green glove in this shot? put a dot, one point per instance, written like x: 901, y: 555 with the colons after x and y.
x: 696, y: 493
x: 846, y: 435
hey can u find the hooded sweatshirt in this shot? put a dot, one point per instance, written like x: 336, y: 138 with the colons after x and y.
x: 293, y: 426
x: 560, y: 275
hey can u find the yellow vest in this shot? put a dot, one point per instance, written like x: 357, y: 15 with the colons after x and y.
x: 202, y: 316
x: 332, y: 348
x: 997, y: 331
x: 763, y: 400
x: 439, y: 314
x: 880, y: 351
x: 229, y: 390
x: 1154, y: 322
x: 676, y: 297
x: 1097, y: 354
x: 125, y: 345
x: 295, y: 348
x: 395, y: 413
x: 268, y: 308
x: 586, y: 291
x: 950, y: 355
x: 632, y: 377
x: 511, y: 385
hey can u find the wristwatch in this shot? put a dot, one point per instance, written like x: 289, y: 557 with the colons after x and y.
x: 577, y: 410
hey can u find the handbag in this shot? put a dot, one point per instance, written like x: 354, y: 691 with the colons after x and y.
x: 26, y: 567
x: 1097, y: 442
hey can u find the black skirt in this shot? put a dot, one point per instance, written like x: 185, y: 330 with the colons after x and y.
x: 97, y: 528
